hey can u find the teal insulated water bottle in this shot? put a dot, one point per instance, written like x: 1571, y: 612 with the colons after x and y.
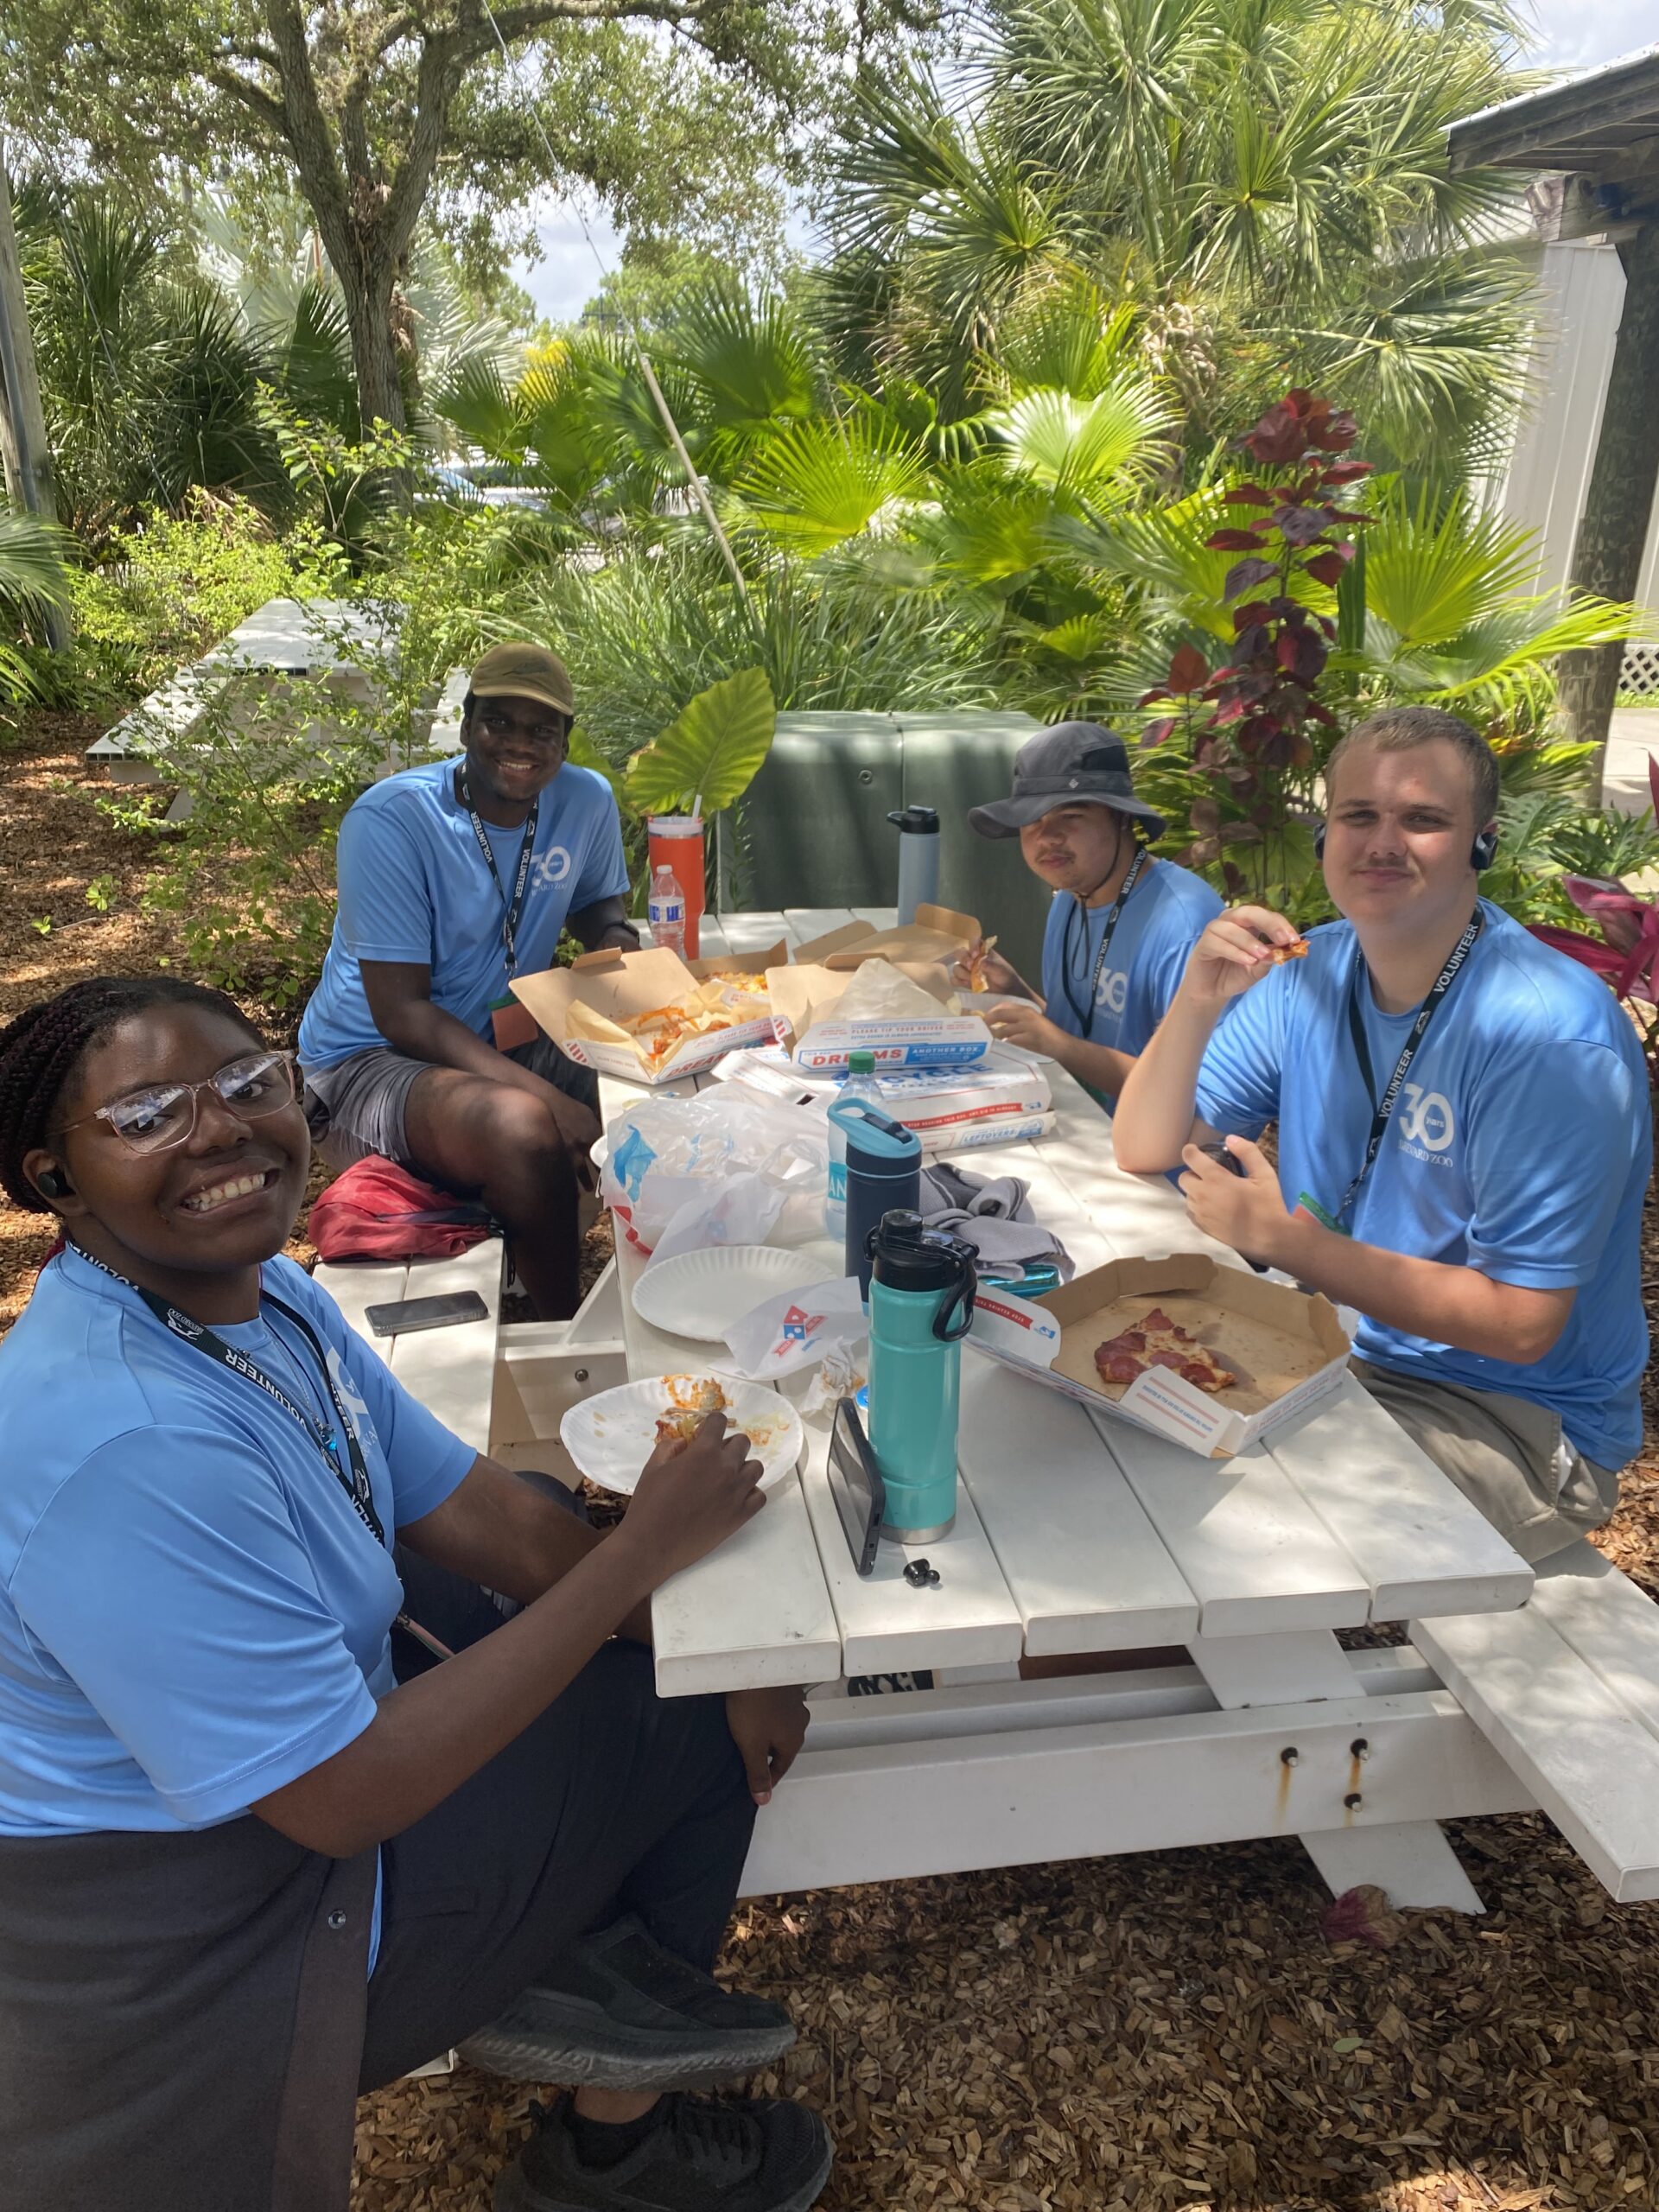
x: 921, y: 1302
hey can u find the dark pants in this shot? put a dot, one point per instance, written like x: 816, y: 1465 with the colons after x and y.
x: 614, y: 1800
x: 181, y: 2015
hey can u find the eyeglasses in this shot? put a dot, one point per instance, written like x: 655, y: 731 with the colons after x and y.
x: 151, y: 1121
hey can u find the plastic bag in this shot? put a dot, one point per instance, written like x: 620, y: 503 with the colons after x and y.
x: 724, y: 1167
x: 798, y: 1328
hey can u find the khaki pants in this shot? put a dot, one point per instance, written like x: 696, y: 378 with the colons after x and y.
x: 1506, y: 1455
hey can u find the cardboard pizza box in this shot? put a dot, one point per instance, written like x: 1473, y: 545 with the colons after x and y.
x: 1289, y: 1348
x: 804, y: 1001
x: 740, y: 963
x: 937, y: 933
x: 582, y: 1007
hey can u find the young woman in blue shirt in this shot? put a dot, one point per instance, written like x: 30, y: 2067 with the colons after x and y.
x: 258, y: 1848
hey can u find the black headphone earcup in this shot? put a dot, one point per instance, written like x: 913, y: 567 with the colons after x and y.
x: 1318, y: 841
x: 1484, y: 851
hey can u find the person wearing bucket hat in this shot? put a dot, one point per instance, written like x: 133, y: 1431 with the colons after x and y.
x: 1120, y: 923
x: 454, y: 877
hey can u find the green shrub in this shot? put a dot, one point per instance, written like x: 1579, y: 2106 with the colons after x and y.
x: 172, y: 589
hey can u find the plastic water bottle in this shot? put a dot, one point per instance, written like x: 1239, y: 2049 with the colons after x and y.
x: 665, y: 910
x: 860, y: 1082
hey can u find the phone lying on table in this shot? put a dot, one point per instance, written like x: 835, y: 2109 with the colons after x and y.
x: 855, y: 1484
x: 401, y: 1317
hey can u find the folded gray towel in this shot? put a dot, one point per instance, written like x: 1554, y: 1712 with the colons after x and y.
x: 992, y: 1214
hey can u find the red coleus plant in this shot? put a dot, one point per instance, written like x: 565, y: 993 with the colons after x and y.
x: 1627, y: 951
x: 1248, y: 720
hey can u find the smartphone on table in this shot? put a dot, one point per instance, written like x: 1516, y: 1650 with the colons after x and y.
x: 855, y: 1484
x: 400, y: 1316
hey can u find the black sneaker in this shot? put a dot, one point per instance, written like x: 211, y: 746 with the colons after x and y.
x: 620, y: 2013
x: 756, y: 2157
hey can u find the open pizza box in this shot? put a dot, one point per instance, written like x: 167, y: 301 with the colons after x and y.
x: 740, y: 963
x: 804, y: 998
x: 583, y: 1009
x: 937, y: 933
x: 1288, y: 1349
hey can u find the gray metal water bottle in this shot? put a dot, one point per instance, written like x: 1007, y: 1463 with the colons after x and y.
x: 919, y: 858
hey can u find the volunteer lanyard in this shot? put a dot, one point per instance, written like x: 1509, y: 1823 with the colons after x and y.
x: 1084, y: 1015
x: 515, y: 906
x: 1383, y: 1107
x: 327, y: 1439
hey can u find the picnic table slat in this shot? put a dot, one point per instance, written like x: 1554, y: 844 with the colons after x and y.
x: 1612, y: 1624
x: 1253, y: 1552
x: 1419, y: 1543
x: 452, y: 1370
x: 804, y: 923
x: 754, y: 1615
x: 1084, y: 1564
x: 1589, y: 1761
x: 969, y: 1620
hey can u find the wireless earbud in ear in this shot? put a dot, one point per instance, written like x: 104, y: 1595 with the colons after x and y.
x: 1481, y: 853
x: 51, y: 1185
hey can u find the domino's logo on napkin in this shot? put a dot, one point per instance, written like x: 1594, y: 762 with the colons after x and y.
x: 797, y: 1327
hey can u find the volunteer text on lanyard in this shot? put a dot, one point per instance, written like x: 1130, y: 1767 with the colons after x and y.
x: 515, y: 906
x: 1084, y: 1015
x: 1383, y: 1107
x: 327, y: 1440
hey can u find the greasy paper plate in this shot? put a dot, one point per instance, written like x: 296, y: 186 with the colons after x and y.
x: 612, y: 1436
x: 699, y: 1295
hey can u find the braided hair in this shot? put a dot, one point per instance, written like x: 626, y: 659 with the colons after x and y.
x: 40, y: 1051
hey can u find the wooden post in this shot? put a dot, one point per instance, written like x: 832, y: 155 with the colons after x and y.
x: 1608, y: 557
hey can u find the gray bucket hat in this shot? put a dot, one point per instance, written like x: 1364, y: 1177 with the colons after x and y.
x: 1072, y: 764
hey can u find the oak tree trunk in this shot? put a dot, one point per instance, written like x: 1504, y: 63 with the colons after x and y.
x: 1608, y: 557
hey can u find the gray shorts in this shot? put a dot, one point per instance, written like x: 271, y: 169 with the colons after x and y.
x: 357, y: 1106
x: 1507, y: 1455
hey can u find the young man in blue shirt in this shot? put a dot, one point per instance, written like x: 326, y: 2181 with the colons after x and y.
x: 1463, y: 1131
x: 1119, y: 924
x: 453, y: 878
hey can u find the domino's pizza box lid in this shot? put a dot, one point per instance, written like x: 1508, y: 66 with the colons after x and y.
x: 1287, y: 1348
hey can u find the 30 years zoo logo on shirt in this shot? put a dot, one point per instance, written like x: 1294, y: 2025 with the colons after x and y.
x: 549, y: 870
x: 1114, y: 992
x: 1427, y: 1124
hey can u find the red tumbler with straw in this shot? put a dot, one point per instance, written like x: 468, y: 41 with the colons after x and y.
x: 676, y: 841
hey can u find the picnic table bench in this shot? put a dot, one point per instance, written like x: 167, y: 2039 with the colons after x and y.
x: 1076, y: 1532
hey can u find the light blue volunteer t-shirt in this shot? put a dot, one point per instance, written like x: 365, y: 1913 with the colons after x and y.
x: 1166, y: 912
x: 1521, y: 1144
x: 191, y: 1612
x: 413, y: 887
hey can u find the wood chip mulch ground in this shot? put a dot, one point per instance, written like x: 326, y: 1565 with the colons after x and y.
x: 1169, y: 2033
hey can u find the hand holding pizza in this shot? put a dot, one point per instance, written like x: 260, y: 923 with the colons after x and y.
x: 1236, y: 950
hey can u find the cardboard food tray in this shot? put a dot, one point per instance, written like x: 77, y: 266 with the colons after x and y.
x: 803, y: 999
x: 1289, y: 1348
x: 937, y: 933
x: 581, y: 1007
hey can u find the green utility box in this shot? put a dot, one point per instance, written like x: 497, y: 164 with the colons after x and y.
x: 815, y: 831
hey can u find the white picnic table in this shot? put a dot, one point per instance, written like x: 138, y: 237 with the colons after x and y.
x: 1077, y: 1533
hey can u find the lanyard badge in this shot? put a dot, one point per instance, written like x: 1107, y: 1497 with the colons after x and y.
x: 1084, y: 1015
x: 1383, y: 1107
x: 513, y: 906
x: 328, y: 1440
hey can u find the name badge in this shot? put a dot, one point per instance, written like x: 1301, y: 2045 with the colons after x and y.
x: 1308, y: 1204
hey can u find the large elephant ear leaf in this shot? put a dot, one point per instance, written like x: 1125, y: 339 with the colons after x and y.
x: 582, y: 752
x: 713, y: 749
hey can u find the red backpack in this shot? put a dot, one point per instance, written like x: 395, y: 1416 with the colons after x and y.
x: 379, y: 1210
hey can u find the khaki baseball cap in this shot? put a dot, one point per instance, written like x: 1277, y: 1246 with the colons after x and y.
x: 521, y: 670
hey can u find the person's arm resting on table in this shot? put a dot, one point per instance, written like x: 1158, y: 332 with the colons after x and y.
x: 1156, y: 1126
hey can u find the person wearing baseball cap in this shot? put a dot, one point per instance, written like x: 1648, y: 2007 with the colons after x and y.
x: 454, y: 877
x: 1121, y: 923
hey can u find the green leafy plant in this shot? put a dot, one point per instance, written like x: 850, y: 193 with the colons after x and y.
x: 710, y: 754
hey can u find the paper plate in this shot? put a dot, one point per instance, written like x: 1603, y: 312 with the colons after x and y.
x: 699, y: 1295
x: 612, y: 1436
